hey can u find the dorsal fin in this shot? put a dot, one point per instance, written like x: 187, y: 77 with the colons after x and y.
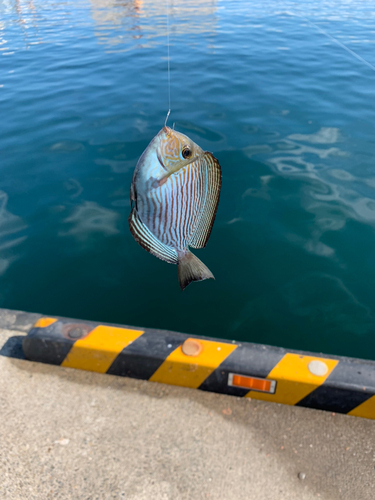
x: 211, y: 174
x: 148, y: 241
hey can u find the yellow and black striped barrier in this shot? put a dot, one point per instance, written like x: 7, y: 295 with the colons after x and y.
x: 332, y: 383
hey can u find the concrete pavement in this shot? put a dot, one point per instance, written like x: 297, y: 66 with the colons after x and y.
x: 69, y: 434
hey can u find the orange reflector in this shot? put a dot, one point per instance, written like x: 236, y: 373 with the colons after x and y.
x: 252, y: 383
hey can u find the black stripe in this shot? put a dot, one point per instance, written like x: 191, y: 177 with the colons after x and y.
x: 349, y: 385
x: 13, y: 347
x: 48, y: 345
x: 46, y: 351
x: 143, y: 357
x: 335, y: 399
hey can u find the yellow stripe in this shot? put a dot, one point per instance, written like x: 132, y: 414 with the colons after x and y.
x: 191, y: 371
x: 43, y: 322
x: 365, y: 410
x: 293, y: 378
x: 98, y: 350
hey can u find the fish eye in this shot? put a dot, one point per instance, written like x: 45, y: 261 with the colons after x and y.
x: 186, y: 152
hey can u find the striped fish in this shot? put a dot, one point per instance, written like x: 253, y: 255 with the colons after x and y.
x: 174, y: 194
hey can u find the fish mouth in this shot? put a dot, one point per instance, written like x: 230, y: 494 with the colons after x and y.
x: 167, y: 130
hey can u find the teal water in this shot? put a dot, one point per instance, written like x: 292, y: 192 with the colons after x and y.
x: 282, y: 92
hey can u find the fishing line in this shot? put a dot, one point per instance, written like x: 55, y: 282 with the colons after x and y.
x: 169, y: 69
x: 340, y: 44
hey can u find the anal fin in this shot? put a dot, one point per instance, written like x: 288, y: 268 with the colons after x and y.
x: 144, y: 237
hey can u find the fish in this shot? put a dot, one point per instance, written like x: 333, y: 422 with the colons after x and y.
x: 174, y: 197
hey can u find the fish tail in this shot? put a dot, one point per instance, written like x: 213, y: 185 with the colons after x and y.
x: 190, y: 268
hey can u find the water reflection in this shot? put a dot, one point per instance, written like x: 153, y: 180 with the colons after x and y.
x: 89, y: 219
x: 333, y: 195
x: 74, y: 186
x: 122, y: 24
x: 326, y: 135
x: 327, y: 189
x: 117, y: 15
x: 117, y: 166
x: 263, y: 191
x: 3, y: 41
x: 322, y: 299
x: 26, y: 16
x: 305, y: 298
x: 118, y: 23
x: 10, y: 225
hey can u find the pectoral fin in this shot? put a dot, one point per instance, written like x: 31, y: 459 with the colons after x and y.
x: 163, y: 180
x: 148, y: 241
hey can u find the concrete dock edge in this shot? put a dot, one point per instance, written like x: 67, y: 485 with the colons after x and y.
x: 332, y: 383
